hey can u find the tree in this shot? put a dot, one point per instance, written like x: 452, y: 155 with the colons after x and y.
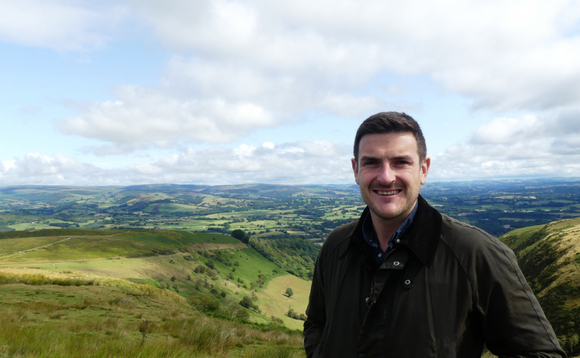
x: 289, y: 292
x: 241, y: 235
x: 247, y: 302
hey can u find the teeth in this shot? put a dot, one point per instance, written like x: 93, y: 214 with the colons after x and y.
x: 390, y: 192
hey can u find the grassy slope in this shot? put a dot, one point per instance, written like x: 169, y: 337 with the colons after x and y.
x: 273, y: 300
x: 549, y: 256
x: 103, y: 254
x: 108, y: 319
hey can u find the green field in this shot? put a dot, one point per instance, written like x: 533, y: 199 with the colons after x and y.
x: 99, y: 285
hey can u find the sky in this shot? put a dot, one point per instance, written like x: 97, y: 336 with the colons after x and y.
x: 230, y: 92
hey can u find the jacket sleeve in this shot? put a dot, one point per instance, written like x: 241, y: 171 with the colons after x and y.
x: 316, y: 311
x: 513, y: 322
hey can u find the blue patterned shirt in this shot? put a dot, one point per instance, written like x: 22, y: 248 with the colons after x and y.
x: 370, y: 236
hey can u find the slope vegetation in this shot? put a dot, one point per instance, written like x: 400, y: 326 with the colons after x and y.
x: 549, y: 256
x: 65, y: 284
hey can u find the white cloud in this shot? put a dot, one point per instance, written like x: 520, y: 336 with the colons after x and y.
x: 503, y: 54
x: 237, y: 66
x: 542, y: 145
x: 241, y: 65
x: 291, y: 163
x: 36, y: 168
x: 508, y: 130
x: 58, y: 24
x: 143, y: 118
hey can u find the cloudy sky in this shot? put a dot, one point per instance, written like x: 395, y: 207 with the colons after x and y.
x: 229, y: 91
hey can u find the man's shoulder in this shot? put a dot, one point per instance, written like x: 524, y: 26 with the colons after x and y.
x: 340, y: 235
x: 466, y: 239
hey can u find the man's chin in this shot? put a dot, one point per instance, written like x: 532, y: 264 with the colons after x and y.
x: 386, y: 214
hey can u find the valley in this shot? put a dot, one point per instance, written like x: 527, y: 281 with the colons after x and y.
x: 121, y: 278
x: 167, y: 270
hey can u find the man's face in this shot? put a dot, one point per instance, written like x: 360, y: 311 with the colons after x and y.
x: 390, y: 174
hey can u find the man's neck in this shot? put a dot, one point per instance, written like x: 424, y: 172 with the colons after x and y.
x: 385, y: 228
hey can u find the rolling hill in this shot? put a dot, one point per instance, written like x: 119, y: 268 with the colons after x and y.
x: 107, y: 284
x: 549, y: 256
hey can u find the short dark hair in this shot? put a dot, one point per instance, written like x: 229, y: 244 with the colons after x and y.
x: 388, y: 122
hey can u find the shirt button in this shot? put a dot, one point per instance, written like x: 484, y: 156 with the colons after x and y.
x: 380, y: 255
x: 398, y: 241
x: 396, y: 263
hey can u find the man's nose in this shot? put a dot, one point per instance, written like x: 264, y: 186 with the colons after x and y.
x: 387, y: 175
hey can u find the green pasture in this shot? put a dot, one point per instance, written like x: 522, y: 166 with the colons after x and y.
x: 86, y: 245
x: 519, y: 238
x: 14, y: 246
x: 173, y: 207
x: 30, y: 226
x: 112, y: 321
x: 246, y: 264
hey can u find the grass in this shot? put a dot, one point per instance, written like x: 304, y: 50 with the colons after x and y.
x: 238, y: 268
x: 273, y: 302
x: 105, y: 320
x: 68, y: 296
x: 93, y: 244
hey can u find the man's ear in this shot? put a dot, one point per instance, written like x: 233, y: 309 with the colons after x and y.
x: 355, y: 169
x: 425, y: 169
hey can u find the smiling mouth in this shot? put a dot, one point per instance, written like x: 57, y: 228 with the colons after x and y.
x: 387, y: 192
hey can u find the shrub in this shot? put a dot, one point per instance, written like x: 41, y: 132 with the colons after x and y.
x: 247, y: 302
x: 204, y: 303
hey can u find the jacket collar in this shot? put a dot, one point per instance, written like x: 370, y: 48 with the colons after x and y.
x: 421, y: 238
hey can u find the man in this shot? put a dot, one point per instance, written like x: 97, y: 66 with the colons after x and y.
x: 407, y: 281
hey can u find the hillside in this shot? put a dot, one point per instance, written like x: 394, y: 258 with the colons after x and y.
x: 549, y: 256
x: 53, y: 278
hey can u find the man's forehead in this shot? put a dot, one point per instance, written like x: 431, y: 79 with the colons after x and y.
x: 403, y: 142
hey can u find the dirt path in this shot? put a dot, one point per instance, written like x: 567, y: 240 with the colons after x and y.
x: 36, y: 248
x: 204, y: 246
x: 216, y: 246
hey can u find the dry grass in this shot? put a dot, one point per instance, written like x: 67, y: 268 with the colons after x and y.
x: 105, y: 321
x: 273, y: 302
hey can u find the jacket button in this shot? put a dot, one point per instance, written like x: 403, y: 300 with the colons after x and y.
x: 396, y: 263
x: 407, y: 282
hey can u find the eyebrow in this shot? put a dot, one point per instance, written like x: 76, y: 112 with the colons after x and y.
x: 401, y: 157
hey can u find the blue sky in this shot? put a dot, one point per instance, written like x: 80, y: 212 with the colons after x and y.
x: 230, y: 92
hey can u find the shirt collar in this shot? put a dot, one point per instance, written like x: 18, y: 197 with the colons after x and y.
x: 370, y: 235
x: 421, y: 238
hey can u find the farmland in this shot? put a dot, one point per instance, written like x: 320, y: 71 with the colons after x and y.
x: 275, y: 211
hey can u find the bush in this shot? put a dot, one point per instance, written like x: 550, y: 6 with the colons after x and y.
x: 204, y: 303
x: 294, y: 315
x: 248, y: 303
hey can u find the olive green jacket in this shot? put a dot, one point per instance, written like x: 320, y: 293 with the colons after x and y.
x: 445, y: 291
